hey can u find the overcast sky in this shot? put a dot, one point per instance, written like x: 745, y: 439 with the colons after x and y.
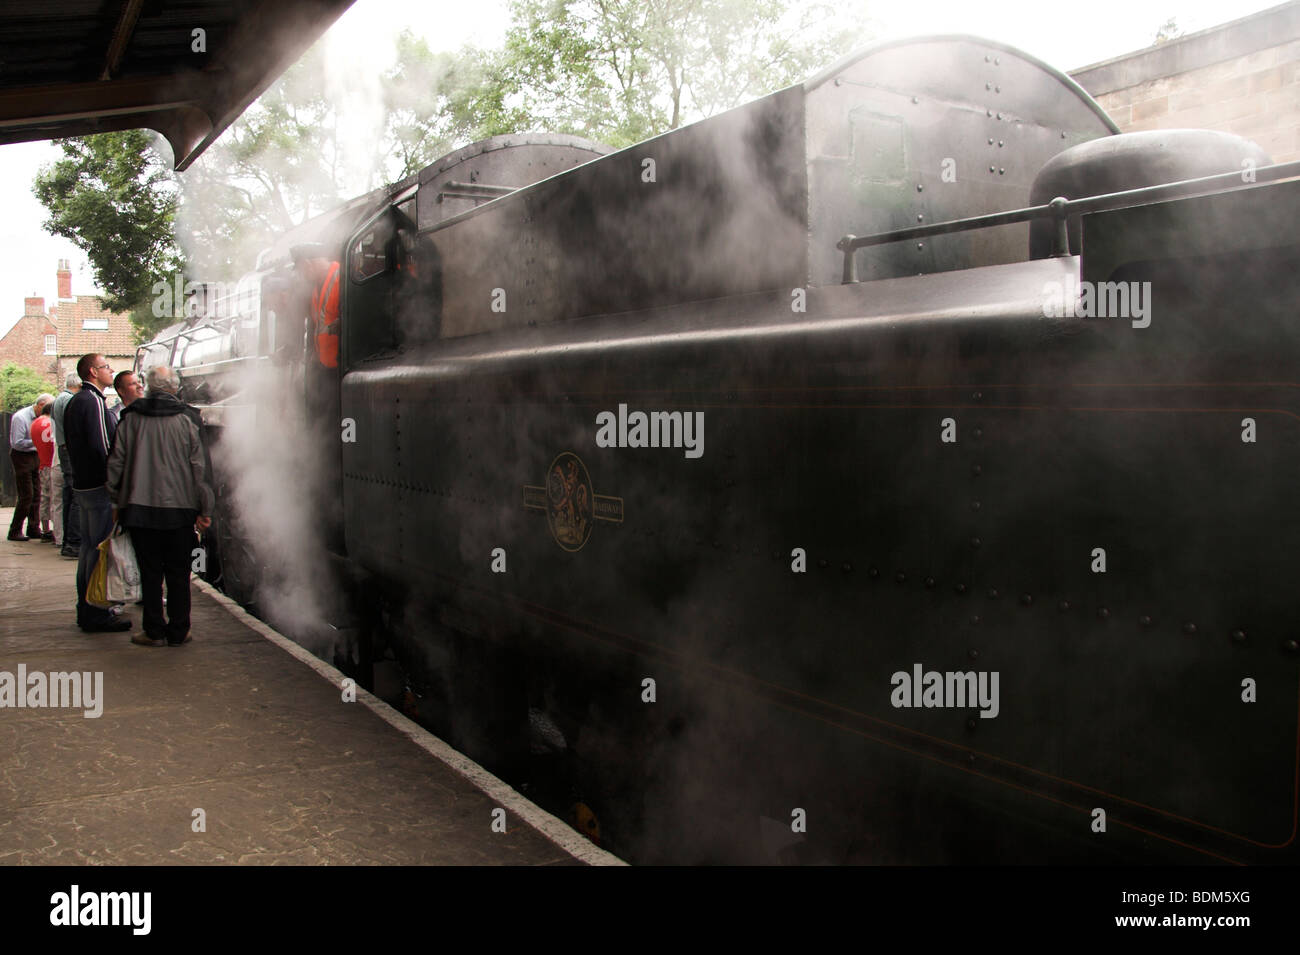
x: 1066, y: 35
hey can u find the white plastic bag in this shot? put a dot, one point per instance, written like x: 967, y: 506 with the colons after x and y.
x: 122, y: 581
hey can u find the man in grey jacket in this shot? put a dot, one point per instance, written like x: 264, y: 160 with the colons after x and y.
x: 158, y: 481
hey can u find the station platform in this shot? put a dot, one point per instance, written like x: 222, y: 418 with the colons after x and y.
x: 234, y: 749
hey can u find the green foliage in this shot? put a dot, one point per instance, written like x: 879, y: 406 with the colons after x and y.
x: 20, y: 386
x: 620, y: 71
x: 437, y: 102
x: 114, y: 195
x: 1168, y: 31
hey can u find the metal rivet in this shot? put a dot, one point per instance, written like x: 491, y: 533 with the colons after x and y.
x: 1189, y: 629
x: 1292, y: 645
x: 1103, y: 613
x: 974, y: 505
x: 846, y: 567
x: 1026, y: 599
x: 991, y: 168
x: 1063, y: 606
x: 997, y: 89
x: 839, y: 81
x: 920, y: 245
x: 971, y: 758
x: 974, y: 542
x: 1062, y: 135
x: 929, y: 582
x: 988, y: 86
x: 976, y: 470
x: 1239, y: 636
x: 999, y: 143
x: 997, y: 62
x: 717, y: 544
x: 990, y: 141
x: 974, y: 619
x: 873, y: 572
x: 999, y: 115
x: 978, y: 432
x: 986, y: 59
x: 1144, y: 621
x: 822, y: 563
x: 970, y: 724
x: 993, y: 593
x: 973, y: 653
x: 915, y: 100
x: 920, y: 217
x: 990, y: 112
x: 960, y: 588
x: 900, y: 577
x: 977, y: 395
x: 920, y: 188
x: 1001, y: 172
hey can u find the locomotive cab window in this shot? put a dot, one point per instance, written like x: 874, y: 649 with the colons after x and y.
x: 372, y: 252
x: 381, y: 271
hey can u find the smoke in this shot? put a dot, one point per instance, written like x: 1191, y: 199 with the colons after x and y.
x: 268, y: 461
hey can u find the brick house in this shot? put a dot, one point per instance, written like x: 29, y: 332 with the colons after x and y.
x: 52, y: 342
x: 33, y: 341
x: 1241, y: 77
x: 84, y: 326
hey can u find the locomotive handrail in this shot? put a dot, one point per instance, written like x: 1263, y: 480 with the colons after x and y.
x: 1061, y: 209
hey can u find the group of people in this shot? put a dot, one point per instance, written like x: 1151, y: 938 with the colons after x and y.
x: 140, y: 464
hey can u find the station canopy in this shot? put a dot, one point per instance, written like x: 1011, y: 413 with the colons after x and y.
x: 186, y: 68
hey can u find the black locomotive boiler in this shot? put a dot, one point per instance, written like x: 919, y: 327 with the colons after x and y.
x: 898, y: 468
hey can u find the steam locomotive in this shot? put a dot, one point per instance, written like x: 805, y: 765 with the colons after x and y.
x: 893, y: 469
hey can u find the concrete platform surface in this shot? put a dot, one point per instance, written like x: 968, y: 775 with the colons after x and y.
x: 241, y: 725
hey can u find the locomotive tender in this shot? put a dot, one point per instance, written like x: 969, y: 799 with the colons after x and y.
x: 989, y: 553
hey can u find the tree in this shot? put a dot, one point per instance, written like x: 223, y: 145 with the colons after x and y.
x: 20, y: 386
x: 437, y: 102
x: 620, y: 71
x: 1168, y: 31
x: 114, y: 195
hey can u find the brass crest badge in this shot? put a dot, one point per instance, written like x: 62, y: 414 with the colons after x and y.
x: 571, y: 505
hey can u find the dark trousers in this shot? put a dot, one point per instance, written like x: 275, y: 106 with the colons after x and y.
x: 164, y: 555
x: 96, y: 522
x: 27, y: 468
x: 71, y: 512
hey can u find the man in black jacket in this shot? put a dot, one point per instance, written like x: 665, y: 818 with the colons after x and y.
x: 89, y: 436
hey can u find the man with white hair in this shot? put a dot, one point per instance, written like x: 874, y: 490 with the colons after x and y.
x: 27, y: 464
x: 157, y: 476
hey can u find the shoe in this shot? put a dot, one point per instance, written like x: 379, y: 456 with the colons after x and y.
x: 117, y: 625
x: 47, y: 536
x: 178, y: 643
x: 144, y: 640
x: 18, y: 538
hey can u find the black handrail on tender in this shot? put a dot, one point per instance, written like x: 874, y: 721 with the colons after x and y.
x: 1061, y: 209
